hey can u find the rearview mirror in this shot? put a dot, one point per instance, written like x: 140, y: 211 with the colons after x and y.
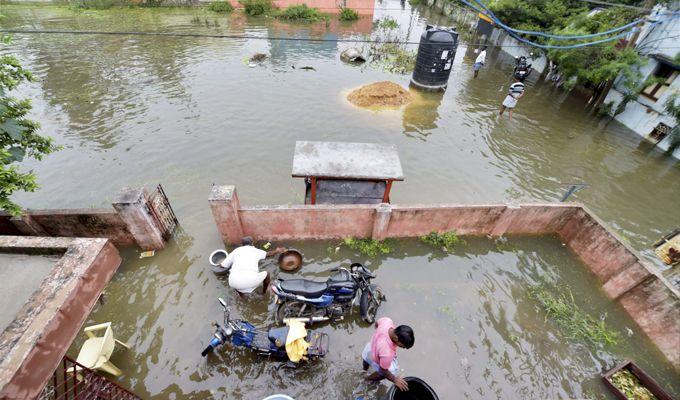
x: 224, y: 303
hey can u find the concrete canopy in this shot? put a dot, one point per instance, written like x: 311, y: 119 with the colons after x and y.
x: 35, y: 341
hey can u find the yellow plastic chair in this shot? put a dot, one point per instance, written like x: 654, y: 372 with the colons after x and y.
x: 97, y: 350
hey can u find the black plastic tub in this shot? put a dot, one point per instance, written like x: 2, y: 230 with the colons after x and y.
x: 417, y: 390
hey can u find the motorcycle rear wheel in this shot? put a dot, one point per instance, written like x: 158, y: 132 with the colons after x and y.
x: 369, y: 304
x: 293, y: 309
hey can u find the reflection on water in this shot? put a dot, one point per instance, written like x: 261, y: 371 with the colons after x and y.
x: 478, y: 334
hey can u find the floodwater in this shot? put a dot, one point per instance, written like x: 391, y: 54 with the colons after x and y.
x: 20, y: 276
x: 188, y: 112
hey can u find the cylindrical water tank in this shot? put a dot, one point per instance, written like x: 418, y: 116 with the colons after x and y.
x: 435, y: 57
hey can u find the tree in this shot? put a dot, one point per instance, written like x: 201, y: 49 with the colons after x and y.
x: 672, y: 107
x: 18, y: 137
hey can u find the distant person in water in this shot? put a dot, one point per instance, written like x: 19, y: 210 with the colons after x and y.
x: 514, y: 94
x: 479, y: 62
x: 380, y: 354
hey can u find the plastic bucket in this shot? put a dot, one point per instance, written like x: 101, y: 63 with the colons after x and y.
x: 417, y: 390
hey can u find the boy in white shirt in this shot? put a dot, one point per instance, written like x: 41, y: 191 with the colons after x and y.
x: 481, y: 59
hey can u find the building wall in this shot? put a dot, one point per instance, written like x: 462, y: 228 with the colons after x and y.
x: 644, y: 114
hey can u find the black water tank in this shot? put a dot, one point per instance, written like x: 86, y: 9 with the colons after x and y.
x: 435, y: 58
x: 417, y: 390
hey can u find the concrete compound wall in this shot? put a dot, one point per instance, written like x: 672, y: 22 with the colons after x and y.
x: 649, y: 298
x: 129, y: 222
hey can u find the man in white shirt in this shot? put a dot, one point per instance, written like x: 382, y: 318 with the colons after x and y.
x: 481, y: 59
x: 515, y: 92
x: 245, y: 275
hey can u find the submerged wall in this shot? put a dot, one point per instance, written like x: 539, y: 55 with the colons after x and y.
x: 652, y: 302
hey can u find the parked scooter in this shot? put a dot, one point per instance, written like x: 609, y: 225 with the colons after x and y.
x: 331, y: 300
x: 271, y: 343
x: 522, y: 68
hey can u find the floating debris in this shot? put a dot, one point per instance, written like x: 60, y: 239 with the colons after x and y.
x: 380, y: 94
x: 352, y: 55
x: 256, y: 59
x: 147, y: 254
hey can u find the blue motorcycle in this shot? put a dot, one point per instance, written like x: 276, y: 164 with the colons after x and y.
x: 270, y: 343
x: 314, y: 301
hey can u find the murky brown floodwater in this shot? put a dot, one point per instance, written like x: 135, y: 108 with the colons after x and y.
x: 189, y: 112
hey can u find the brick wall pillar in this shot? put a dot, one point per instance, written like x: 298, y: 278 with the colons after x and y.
x: 224, y: 205
x: 381, y: 221
x: 133, y: 208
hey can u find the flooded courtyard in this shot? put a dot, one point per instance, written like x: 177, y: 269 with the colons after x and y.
x: 189, y: 112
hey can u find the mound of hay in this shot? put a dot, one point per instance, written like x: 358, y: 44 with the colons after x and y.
x: 380, y: 94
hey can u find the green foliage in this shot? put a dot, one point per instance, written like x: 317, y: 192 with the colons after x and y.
x: 415, y: 2
x: 672, y: 107
x: 368, y: 247
x: 387, y: 23
x: 574, y: 322
x: 590, y: 65
x: 18, y: 137
x: 221, y: 7
x: 347, y: 14
x: 256, y: 8
x: 446, y: 241
x: 300, y: 13
x: 92, y: 4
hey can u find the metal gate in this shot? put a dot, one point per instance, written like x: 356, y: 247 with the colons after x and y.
x: 160, y: 208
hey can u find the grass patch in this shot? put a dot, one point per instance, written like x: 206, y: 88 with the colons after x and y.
x: 415, y: 2
x: 446, y: 241
x: 368, y: 247
x: 221, y: 7
x: 300, y: 12
x: 573, y: 322
x: 347, y: 14
x: 256, y: 8
x: 92, y: 4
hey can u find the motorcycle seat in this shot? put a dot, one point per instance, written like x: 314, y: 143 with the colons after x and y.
x: 278, y: 336
x: 304, y: 287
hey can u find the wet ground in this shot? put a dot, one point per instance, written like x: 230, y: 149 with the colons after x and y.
x: 189, y: 112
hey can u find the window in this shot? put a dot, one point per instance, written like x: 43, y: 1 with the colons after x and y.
x: 665, y: 75
x: 660, y: 132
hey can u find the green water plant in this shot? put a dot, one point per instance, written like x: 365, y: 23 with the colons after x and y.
x: 388, y: 23
x: 560, y: 306
x: 368, y: 247
x: 446, y: 241
x: 255, y: 8
x: 221, y: 7
x: 348, y: 14
x: 300, y: 12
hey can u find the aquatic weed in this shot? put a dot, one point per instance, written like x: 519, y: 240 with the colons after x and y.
x: 630, y: 385
x: 368, y: 247
x: 221, y: 7
x: 300, y: 12
x: 388, y: 23
x: 446, y: 241
x: 574, y: 322
x: 256, y: 8
x: 347, y: 14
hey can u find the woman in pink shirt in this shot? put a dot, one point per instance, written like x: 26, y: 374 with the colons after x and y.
x: 380, y: 354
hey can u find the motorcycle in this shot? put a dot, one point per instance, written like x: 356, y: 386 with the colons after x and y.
x: 270, y: 343
x: 314, y: 301
x: 522, y: 69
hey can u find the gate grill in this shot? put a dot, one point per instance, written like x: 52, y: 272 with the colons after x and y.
x: 160, y: 208
x: 73, y: 381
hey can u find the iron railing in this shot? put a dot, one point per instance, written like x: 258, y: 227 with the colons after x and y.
x: 73, y: 381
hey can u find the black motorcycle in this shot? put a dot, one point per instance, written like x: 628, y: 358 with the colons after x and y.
x: 331, y: 300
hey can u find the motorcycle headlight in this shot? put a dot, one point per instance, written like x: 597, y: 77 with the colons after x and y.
x: 228, y: 331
